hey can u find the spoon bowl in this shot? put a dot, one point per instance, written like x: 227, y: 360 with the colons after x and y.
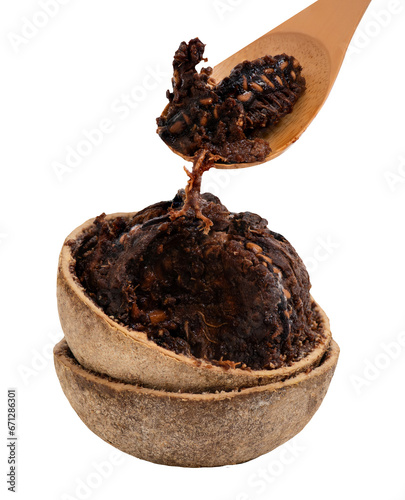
x: 315, y: 60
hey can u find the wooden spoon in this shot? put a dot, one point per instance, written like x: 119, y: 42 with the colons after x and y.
x: 318, y: 37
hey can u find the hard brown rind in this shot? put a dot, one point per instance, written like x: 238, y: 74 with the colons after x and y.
x: 193, y: 430
x: 103, y: 345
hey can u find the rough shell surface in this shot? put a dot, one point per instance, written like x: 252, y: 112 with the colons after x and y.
x: 193, y: 430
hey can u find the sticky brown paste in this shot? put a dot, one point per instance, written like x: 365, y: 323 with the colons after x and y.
x: 201, y: 280
x: 196, y: 278
x: 226, y: 118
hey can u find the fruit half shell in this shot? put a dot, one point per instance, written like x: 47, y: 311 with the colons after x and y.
x: 193, y: 430
x: 103, y: 345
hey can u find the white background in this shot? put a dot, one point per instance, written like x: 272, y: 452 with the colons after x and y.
x: 337, y: 195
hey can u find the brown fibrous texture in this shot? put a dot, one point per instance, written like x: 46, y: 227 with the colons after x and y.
x: 225, y: 118
x: 237, y: 295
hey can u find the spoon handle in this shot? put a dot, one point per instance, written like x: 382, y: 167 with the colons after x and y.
x: 332, y: 22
